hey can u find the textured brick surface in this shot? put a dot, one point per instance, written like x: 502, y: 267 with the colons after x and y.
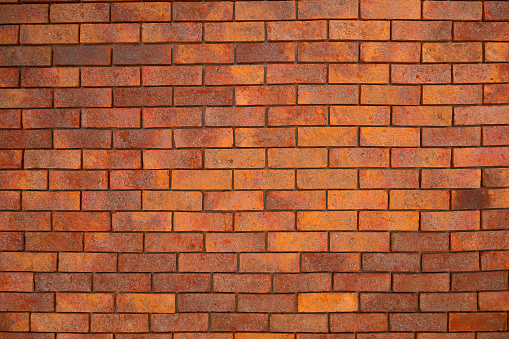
x: 253, y: 169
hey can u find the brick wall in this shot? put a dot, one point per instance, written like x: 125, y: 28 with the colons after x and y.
x: 255, y: 169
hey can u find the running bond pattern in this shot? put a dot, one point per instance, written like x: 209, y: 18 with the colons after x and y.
x: 254, y: 169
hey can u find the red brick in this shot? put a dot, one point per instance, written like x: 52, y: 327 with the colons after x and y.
x: 81, y: 55
x: 172, y: 200
x: 264, y: 221
x: 79, y: 13
x: 24, y: 180
x: 171, y: 75
x: 109, y: 33
x: 265, y: 95
x: 328, y: 9
x: 133, y: 138
x: 297, y: 242
x: 122, y: 282
x: 479, y: 280
x: 233, y: 200
x: 238, y: 322
x: 48, y: 118
x: 113, y: 242
x: 419, y: 242
x: 391, y: 262
x: 22, y: 14
x: 496, y: 52
x: 494, y: 219
x: 48, y: 34
x: 207, y: 11
x: 208, y: 262
x: 297, y: 30
x: 38, y: 262
x: 493, y: 301
x: 487, y: 240
x: 327, y: 136
x: 389, y: 136
x: 422, y: 115
x: 234, y: 116
x: 295, y: 115
x: 59, y: 322
x: 458, y: 10
x: 147, y: 262
x: 393, y: 95
x: 119, y: 323
x: 111, y: 200
x: 470, y: 157
x: 422, y: 30
x: 328, y: 179
x: 359, y: 30
x: 495, y: 135
x: 142, y: 221
x: 203, y: 96
x: 359, y: 242
x: 178, y: 242
x: 11, y: 118
x: 187, y: 282
x: 271, y: 10
x: 54, y: 241
x: 234, y: 31
x: 31, y: 302
x: 354, y: 322
x: 359, y: 73
x: 328, y: 94
x: 111, y: 159
x: 277, y: 303
x: 20, y: 282
x: 184, y: 221
x: 407, y: 199
x: 143, y: 96
x: 10, y: 77
x: 162, y: 159
x: 9, y: 34
x: 172, y: 117
x: 421, y: 74
x: 496, y: 94
x: 393, y: 178
x: 362, y: 282
x: 365, y: 199
x: 432, y: 322
x: 141, y: 54
x: 330, y: 262
x: 204, y: 54
x: 25, y: 56
x: 149, y: 303
x: 25, y: 139
x: 385, y: 302
x: 446, y: 302
x: 10, y: 200
x: 206, y: 302
x: 359, y: 157
x: 81, y: 138
x: 450, y: 221
x: 25, y: 98
x: 298, y: 323
x: 452, y: 52
x: 81, y: 221
x: 50, y: 200
x: 388, y: 221
x: 254, y: 283
x: 63, y: 282
x: 14, y: 322
x: 83, y: 97
x: 496, y: 10
x: 84, y: 302
x: 266, y: 52
x: 302, y: 200
x: 211, y: 137
x: 139, y: 179
x: 480, y: 73
x: 325, y: 221
x: 421, y: 282
x: 477, y: 322
x: 269, y: 262
x: 451, y: 178
x: 288, y: 74
x: 111, y: 117
x: 179, y: 322
x: 450, y: 262
x: 234, y: 158
x: 137, y: 12
x: 480, y: 199
x: 302, y: 282
x: 390, y: 9
x: 390, y: 52
x: 117, y: 76
x: 265, y: 137
x: 87, y: 262
x: 264, y: 179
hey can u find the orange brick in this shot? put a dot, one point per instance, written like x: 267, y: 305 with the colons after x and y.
x: 139, y: 180
x: 210, y: 137
x: 171, y: 75
x: 109, y: 33
x: 238, y: 322
x: 407, y: 199
x: 421, y: 157
x: 383, y: 302
x: 421, y: 74
x: 496, y: 52
x: 201, y: 179
x: 264, y: 221
x: 451, y: 136
x: 87, y: 262
x: 451, y: 178
x: 172, y: 117
x: 118, y: 76
x: 234, y: 31
x: 149, y: 303
x: 81, y: 221
x: 359, y: 73
x: 83, y: 97
x: 452, y: 52
x: 293, y: 157
x: 330, y: 262
x: 288, y: 74
x: 233, y: 75
x: 59, y: 322
x: 238, y: 200
x: 326, y: 220
x: 20, y: 282
x: 450, y: 262
x: 327, y: 51
x: 297, y: 241
x: 161, y: 159
x: 495, y: 177
x: 297, y: 30
x: 486, y: 240
x: 390, y: 95
x: 482, y: 73
x: 208, y: 11
x: 496, y: 94
x: 119, y: 323
x: 478, y: 322
x: 326, y: 179
x: 409, y: 322
x: 328, y: 94
x: 114, y: 242
x: 359, y: 242
x: 450, y: 221
x: 295, y: 115
x: 272, y: 10
x: 327, y: 302
x: 234, y: 158
x: 79, y: 12
x: 419, y: 242
x: 327, y: 136
x: 388, y: 221
x: 493, y: 301
x: 359, y: 157
x: 172, y: 200
x: 204, y: 54
x: 81, y: 139
x: 111, y: 200
x: 362, y: 282
x: 171, y: 32
x: 390, y: 9
x: 422, y: 30
x: 391, y: 178
x: 48, y: 34
x: 50, y: 200
x: 25, y: 98
x: 390, y: 52
x: 316, y: 323
x: 54, y: 241
x: 260, y: 283
x: 208, y: 262
x: 459, y: 10
x: 50, y: 77
x: 421, y: 282
x: 269, y: 262
x: 235, y: 242
x: 113, y: 159
x: 141, y: 221
x: 328, y: 9
x: 302, y: 200
x: 147, y: 262
x: 206, y: 302
x: 265, y: 95
x: 389, y: 136
x: 264, y: 179
x: 9, y: 34
x: 234, y: 116
x: 422, y: 116
x: 152, y: 11
x: 359, y: 30
x: 20, y: 14
x: 84, y: 302
x: 110, y: 117
x: 353, y: 200
x: 265, y: 137
x: 25, y: 56
x: 176, y: 242
x: 201, y: 96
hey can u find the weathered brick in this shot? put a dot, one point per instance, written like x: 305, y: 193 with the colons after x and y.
x: 84, y: 302
x: 59, y: 322
x: 269, y: 262
x: 113, y: 242
x: 81, y: 55
x: 359, y: 73
x: 141, y: 54
x: 151, y: 11
x: 390, y: 95
x: 111, y: 159
x: 10, y: 77
x: 255, y: 283
x: 22, y: 14
x: 9, y: 34
x: 478, y: 322
x: 328, y: 94
x: 421, y: 74
x: 494, y: 219
x: 25, y: 56
x: 25, y: 98
x: 162, y: 159
x: 359, y: 242
x: 331, y: 262
x: 87, y: 262
x: 203, y: 96
x: 264, y: 221
x: 238, y: 322
x: 272, y: 10
x: 296, y: 30
x: 206, y: 302
x: 418, y: 322
x: 48, y: 34
x: 164, y: 242
x: 207, y: 11
x: 391, y: 262
x: 143, y: 96
x: 265, y: 137
x: 79, y: 12
x: 422, y: 116
x: 302, y: 282
x: 234, y: 31
x: 302, y: 200
x: 496, y: 94
x: 234, y: 158
x: 496, y: 52
x: 383, y: 302
x: 452, y: 52
x: 119, y: 323
x: 180, y: 322
x: 458, y: 10
x: 172, y: 200
x: 359, y: 157
x: 359, y: 30
x: 149, y: 303
x: 111, y: 200
x: 118, y: 76
x: 365, y: 199
x: 186, y: 282
x: 204, y: 54
x: 493, y: 301
x: 109, y: 33
x: 20, y: 282
x: 208, y: 262
x: 264, y: 179
x: 83, y: 97
x: 421, y: 282
x: 54, y: 241
x: 390, y: 52
x: 362, y: 282
x: 468, y: 261
x: 450, y: 221
x: 265, y: 95
x: 81, y: 138
x: 298, y: 323
x: 354, y: 322
x: 390, y: 9
x: 328, y: 9
x: 422, y: 30
x: 147, y: 262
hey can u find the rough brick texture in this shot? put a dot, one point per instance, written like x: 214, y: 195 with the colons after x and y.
x: 282, y: 169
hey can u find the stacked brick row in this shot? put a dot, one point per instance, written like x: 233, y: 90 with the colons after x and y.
x: 254, y: 169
